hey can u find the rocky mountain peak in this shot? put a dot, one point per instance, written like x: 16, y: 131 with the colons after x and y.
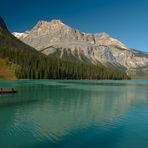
x: 56, y: 22
x: 44, y: 27
x: 40, y: 24
x: 53, y: 24
x: 46, y: 33
x: 105, y: 39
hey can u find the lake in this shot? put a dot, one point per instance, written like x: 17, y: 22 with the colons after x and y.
x: 74, y: 114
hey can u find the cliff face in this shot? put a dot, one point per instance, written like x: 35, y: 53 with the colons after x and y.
x: 58, y: 39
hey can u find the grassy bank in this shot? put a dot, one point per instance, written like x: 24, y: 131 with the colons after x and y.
x: 7, y: 70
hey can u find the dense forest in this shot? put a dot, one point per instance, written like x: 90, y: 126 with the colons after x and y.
x: 30, y: 64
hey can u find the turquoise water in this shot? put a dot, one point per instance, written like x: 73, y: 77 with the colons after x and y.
x: 74, y: 114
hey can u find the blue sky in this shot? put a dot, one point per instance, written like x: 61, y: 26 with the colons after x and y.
x: 125, y: 20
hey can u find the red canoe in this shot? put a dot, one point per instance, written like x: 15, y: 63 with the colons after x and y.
x: 8, y: 91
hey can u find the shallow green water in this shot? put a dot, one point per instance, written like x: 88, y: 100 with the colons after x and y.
x: 74, y: 114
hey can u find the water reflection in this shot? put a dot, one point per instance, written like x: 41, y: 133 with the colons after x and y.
x: 54, y: 109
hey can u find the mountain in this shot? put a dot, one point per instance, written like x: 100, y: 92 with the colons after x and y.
x: 27, y: 63
x: 56, y: 38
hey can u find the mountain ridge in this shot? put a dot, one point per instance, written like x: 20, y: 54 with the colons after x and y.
x: 43, y: 28
x: 56, y: 38
x: 28, y: 63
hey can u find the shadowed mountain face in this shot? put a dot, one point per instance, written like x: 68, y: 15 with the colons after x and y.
x: 56, y: 38
x: 2, y: 24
